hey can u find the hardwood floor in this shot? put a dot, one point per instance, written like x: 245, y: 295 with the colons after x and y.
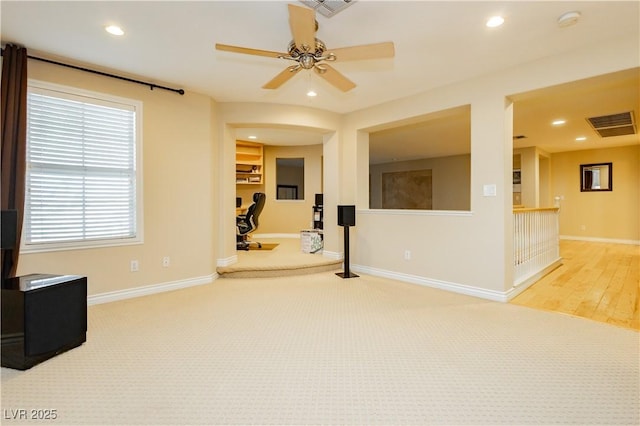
x: 599, y: 281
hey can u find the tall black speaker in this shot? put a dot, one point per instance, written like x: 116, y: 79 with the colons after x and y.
x: 346, y: 215
x: 346, y: 218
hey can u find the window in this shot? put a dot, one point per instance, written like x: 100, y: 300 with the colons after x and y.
x: 82, y: 183
x: 290, y: 178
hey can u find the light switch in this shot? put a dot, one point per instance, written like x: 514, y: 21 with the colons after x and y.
x: 489, y: 190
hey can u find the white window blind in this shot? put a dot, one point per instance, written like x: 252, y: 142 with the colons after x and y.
x: 81, y: 169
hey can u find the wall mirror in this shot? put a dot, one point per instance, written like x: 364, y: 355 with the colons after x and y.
x: 290, y: 178
x: 596, y: 177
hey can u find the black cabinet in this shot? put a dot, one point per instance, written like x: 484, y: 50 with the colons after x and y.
x: 317, y: 217
x: 318, y: 214
x: 42, y: 316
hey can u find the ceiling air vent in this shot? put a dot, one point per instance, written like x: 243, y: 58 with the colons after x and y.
x: 614, y: 125
x: 328, y: 8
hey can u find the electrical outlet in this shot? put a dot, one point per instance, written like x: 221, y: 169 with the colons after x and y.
x: 407, y: 255
x: 583, y: 227
x: 166, y: 261
x: 134, y: 266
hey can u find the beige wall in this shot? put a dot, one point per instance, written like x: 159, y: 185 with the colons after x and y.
x: 451, y: 180
x: 286, y: 216
x: 610, y: 215
x: 466, y: 249
x: 246, y: 192
x: 178, y: 179
x: 232, y: 115
x: 189, y: 181
x: 467, y: 252
x: 291, y: 216
x: 533, y: 163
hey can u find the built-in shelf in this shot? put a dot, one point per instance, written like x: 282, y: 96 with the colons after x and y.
x: 249, y: 163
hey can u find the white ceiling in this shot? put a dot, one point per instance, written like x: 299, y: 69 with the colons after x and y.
x: 437, y: 43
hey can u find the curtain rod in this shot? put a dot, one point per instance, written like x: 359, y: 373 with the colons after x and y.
x: 131, y: 80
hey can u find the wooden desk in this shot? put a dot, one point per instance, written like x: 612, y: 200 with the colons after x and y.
x: 241, y: 210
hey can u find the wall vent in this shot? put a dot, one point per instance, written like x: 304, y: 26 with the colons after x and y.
x: 614, y: 125
x: 328, y: 8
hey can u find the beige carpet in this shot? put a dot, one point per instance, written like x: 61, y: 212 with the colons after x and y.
x: 285, y: 259
x: 317, y: 349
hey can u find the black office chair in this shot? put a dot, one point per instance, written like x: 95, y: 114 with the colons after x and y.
x: 247, y: 223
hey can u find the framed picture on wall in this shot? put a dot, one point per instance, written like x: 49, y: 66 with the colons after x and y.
x: 516, y: 177
x: 516, y: 181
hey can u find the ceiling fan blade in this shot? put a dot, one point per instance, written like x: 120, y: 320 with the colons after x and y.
x: 247, y: 51
x: 365, y: 51
x: 303, y: 27
x: 335, y: 78
x: 283, y: 77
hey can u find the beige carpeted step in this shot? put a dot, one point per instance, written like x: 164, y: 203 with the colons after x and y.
x: 277, y: 271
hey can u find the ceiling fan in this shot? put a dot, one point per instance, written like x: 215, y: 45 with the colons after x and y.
x: 311, y: 53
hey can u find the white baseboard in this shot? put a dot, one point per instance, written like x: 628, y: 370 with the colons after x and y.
x: 130, y: 293
x: 227, y: 261
x: 335, y: 255
x: 600, y: 240
x: 496, y: 296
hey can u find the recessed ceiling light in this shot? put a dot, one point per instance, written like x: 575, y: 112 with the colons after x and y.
x: 568, y: 19
x: 495, y: 21
x: 252, y: 137
x: 558, y: 122
x: 581, y: 138
x: 115, y: 30
x: 311, y: 93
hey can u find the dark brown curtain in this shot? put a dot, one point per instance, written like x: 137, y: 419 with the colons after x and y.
x: 14, y: 143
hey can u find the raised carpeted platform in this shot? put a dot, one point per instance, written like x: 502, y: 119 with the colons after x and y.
x: 285, y: 259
